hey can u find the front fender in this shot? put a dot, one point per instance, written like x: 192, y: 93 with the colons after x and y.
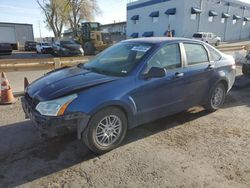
x: 127, y: 107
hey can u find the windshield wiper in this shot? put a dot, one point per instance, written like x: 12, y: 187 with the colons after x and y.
x: 97, y: 70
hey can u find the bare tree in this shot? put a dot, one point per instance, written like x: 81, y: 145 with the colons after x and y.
x: 54, y: 12
x: 78, y: 10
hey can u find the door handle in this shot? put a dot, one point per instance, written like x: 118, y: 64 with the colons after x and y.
x: 179, y: 74
x: 211, y: 67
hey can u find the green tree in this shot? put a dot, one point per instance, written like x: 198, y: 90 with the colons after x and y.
x: 55, y: 15
x: 78, y: 10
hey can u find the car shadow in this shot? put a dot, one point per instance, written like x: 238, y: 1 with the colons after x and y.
x: 240, y: 93
x: 33, y: 157
x: 242, y: 82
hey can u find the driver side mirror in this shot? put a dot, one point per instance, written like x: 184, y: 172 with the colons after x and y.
x: 155, y: 72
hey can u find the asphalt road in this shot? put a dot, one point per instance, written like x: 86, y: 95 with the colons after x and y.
x: 25, y: 55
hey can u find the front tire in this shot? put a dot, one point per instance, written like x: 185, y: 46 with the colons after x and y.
x: 216, y: 98
x: 106, y: 130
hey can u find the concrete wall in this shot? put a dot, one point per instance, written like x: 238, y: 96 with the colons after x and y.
x: 22, y: 33
x: 184, y: 26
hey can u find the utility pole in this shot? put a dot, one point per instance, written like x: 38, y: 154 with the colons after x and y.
x: 40, y: 31
x: 226, y: 21
x: 199, y: 21
x: 241, y: 27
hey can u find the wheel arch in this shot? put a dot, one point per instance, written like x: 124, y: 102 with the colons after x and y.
x: 125, y: 108
x: 225, y: 83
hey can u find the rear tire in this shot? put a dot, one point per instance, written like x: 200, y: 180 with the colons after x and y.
x: 216, y: 98
x: 89, y: 48
x: 217, y: 43
x: 106, y: 130
x: 245, y: 69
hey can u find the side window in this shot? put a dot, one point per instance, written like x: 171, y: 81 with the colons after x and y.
x: 214, y: 55
x: 196, y: 54
x: 168, y: 57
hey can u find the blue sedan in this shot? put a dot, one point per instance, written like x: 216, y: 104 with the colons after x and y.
x: 131, y: 83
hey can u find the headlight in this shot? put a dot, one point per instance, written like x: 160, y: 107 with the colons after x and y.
x: 55, y: 107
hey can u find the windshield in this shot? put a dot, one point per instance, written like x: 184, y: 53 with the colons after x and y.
x: 67, y: 42
x: 31, y: 43
x: 118, y: 60
x: 197, y: 35
x: 45, y: 44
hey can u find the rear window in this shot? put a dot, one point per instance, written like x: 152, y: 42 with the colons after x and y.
x: 196, y: 54
x: 214, y: 55
x: 197, y: 35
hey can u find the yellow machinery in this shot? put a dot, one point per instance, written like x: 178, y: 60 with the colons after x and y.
x: 93, y: 39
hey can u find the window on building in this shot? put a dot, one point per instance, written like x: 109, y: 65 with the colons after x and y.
x: 223, y: 20
x: 136, y: 21
x: 155, y: 19
x: 193, y: 16
x: 196, y: 54
x: 244, y: 23
x: 168, y: 57
x: 234, y: 21
x: 210, y: 18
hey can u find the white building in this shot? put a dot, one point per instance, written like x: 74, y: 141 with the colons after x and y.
x: 16, y: 34
x: 116, y: 30
x: 229, y: 19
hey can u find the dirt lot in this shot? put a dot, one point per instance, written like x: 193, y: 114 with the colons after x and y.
x: 190, y: 149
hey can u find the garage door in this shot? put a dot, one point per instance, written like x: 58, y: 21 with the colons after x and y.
x: 7, y: 34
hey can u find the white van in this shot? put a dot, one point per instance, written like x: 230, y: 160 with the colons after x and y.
x: 209, y: 38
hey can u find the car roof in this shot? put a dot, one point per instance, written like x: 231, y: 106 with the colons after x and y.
x: 157, y: 40
x: 203, y: 33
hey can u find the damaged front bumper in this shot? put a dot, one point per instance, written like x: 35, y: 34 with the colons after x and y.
x: 58, y: 125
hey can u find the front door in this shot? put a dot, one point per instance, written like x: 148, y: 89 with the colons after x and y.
x: 158, y: 97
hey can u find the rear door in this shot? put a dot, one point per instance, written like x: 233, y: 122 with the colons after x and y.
x: 198, y: 71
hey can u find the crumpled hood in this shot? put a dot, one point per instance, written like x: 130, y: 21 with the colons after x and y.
x: 64, y: 82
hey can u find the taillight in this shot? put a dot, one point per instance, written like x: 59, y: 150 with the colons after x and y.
x: 234, y: 66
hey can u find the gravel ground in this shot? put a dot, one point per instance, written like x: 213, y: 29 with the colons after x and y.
x: 189, y: 149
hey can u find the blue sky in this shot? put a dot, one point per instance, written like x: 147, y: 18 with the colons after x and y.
x: 27, y: 11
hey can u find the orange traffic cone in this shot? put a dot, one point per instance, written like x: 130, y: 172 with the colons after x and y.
x: 26, y: 82
x: 7, y: 96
